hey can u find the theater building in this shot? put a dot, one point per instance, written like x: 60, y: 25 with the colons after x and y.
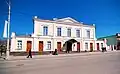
x: 61, y: 34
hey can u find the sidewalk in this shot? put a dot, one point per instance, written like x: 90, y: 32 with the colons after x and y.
x: 13, y: 58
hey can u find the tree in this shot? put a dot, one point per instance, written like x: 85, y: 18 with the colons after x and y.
x: 3, y: 46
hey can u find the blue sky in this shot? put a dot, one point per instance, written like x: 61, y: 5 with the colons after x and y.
x: 104, y: 13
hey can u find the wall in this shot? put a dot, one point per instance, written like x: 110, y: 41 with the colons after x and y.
x: 74, y: 48
x: 52, y: 36
x: 24, y: 43
x: 45, y: 40
x: 52, y: 29
x: 99, y: 44
x: 92, y: 32
x: 111, y: 40
x: 38, y: 28
x: 35, y: 44
x: 88, y: 45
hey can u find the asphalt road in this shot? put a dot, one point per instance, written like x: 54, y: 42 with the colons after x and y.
x: 93, y: 64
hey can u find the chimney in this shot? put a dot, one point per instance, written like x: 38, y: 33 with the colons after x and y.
x: 81, y: 22
x: 35, y: 16
x: 33, y: 35
x: 13, y: 34
x: 54, y: 19
x: 93, y: 24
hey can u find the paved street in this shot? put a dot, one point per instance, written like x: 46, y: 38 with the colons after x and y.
x: 102, y: 63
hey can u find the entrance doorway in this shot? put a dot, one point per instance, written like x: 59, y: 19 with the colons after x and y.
x: 59, y: 46
x: 118, y: 45
x: 40, y: 46
x: 91, y: 47
x: 29, y: 46
x: 68, y: 45
x: 78, y: 46
x: 98, y: 48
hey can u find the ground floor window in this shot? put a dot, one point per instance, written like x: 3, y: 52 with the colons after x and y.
x: 101, y: 45
x: 49, y: 45
x: 86, y: 45
x: 19, y: 44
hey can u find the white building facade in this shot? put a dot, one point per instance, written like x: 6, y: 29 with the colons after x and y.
x: 54, y: 34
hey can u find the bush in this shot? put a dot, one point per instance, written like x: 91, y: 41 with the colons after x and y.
x: 2, y: 48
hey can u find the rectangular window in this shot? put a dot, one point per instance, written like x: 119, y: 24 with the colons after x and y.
x: 19, y: 44
x: 77, y: 33
x: 58, y: 31
x: 69, y: 32
x: 45, y: 30
x: 49, y: 45
x: 88, y: 33
x: 86, y: 45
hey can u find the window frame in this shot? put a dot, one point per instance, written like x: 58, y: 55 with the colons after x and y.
x: 86, y: 46
x: 88, y: 33
x: 78, y: 33
x: 59, y: 31
x: 102, y: 45
x: 48, y: 45
x: 45, y: 30
x: 19, y: 44
x: 69, y: 32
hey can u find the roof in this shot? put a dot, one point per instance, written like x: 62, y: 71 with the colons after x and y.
x: 106, y: 36
x: 29, y: 35
x: 111, y: 40
x: 66, y: 21
x: 70, y: 20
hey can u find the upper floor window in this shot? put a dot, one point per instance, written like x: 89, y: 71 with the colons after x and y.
x: 58, y: 31
x: 88, y: 33
x: 69, y: 32
x: 45, y: 30
x: 49, y: 45
x: 19, y: 44
x: 77, y: 33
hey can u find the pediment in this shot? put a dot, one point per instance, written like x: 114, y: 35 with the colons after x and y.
x: 67, y: 20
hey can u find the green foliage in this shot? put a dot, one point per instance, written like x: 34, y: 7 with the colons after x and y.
x: 3, y: 47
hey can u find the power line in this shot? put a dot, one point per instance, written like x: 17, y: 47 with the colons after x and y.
x: 28, y: 14
x: 17, y: 11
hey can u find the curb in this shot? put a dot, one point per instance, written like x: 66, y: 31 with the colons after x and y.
x: 56, y: 56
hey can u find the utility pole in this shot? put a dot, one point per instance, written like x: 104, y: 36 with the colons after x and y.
x: 8, y: 30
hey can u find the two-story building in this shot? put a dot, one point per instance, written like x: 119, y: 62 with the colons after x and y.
x: 61, y: 34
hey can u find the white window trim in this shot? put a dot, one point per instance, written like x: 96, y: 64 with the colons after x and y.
x: 70, y: 32
x: 57, y: 31
x: 48, y: 45
x: 19, y: 45
x: 45, y: 32
x: 79, y: 33
x: 86, y: 33
x: 86, y: 46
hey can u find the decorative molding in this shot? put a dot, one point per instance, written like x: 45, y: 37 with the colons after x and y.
x: 64, y: 23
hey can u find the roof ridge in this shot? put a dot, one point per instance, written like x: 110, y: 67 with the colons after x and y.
x: 106, y: 36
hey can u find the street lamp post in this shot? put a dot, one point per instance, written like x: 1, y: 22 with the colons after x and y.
x: 8, y: 31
